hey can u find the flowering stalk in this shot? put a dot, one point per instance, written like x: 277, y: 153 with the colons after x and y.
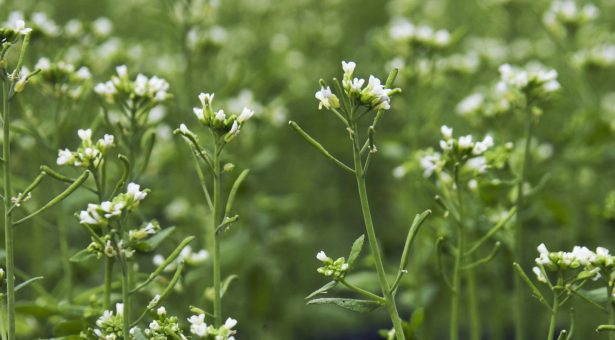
x: 454, y: 329
x: 519, y: 235
x: 217, y: 218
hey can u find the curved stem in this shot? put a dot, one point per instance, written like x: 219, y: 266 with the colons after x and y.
x: 373, y: 242
x: 519, y: 235
x: 8, y: 223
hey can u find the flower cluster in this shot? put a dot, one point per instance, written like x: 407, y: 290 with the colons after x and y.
x: 374, y: 95
x: 100, y: 214
x: 336, y: 269
x: 141, y: 91
x: 402, y: 30
x: 534, y: 81
x: 602, y: 55
x: 88, y: 155
x: 594, y: 264
x: 224, y: 126
x: 463, y: 151
x: 149, y: 229
x: 110, y: 324
x: 164, y: 327
x: 64, y: 78
x: 186, y: 255
x: 11, y: 31
x: 566, y: 14
x: 199, y: 328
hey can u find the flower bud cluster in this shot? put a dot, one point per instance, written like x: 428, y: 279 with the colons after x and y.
x: 594, y: 264
x: 602, y: 55
x: 163, y: 327
x: 336, y: 269
x: 373, y: 95
x: 110, y: 325
x: 403, y: 31
x: 101, y: 214
x: 463, y: 151
x: 12, y: 30
x: 224, y: 126
x: 141, y: 91
x: 566, y: 14
x: 201, y: 330
x: 186, y: 255
x: 64, y: 78
x: 89, y: 154
x: 149, y: 229
x: 534, y: 81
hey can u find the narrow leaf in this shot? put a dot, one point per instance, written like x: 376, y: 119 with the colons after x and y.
x: 355, y: 251
x: 153, y: 242
x: 27, y: 282
x: 322, y: 290
x: 360, y: 306
x: 226, y: 283
x: 81, y: 255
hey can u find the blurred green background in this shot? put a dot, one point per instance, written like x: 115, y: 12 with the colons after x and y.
x: 269, y: 55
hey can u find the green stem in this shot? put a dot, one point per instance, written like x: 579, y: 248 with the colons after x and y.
x: 107, y: 284
x: 216, y: 220
x: 554, y: 309
x: 474, y: 316
x: 519, y: 235
x: 8, y: 223
x: 126, y: 297
x: 373, y: 242
x: 610, y: 307
x: 363, y: 292
x: 64, y: 251
x: 454, y: 328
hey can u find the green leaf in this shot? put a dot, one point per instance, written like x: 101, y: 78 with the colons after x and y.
x: 70, y: 327
x: 361, y: 306
x: 597, y: 295
x: 81, y: 256
x: 153, y: 242
x: 226, y: 283
x: 322, y: 290
x: 27, y: 282
x: 357, y: 246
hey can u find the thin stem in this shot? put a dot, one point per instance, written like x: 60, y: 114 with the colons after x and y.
x: 8, y: 223
x: 363, y: 292
x: 609, y: 293
x: 373, y: 241
x: 126, y: 297
x: 454, y: 328
x: 519, y: 235
x: 216, y: 220
x: 108, y: 281
x: 473, y: 305
x: 554, y: 309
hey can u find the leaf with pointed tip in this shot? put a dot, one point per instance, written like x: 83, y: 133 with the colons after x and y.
x: 361, y: 306
x: 82, y: 255
x: 322, y: 290
x: 226, y: 283
x: 152, y: 243
x: 27, y: 282
x: 357, y: 246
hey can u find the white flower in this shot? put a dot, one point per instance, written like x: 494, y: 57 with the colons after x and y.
x: 230, y: 323
x: 103, y: 26
x: 198, y: 326
x: 478, y: 164
x: 154, y: 325
x: 327, y: 98
x: 220, y: 116
x: 430, y: 163
x: 105, y: 317
x: 65, y: 157
x: 161, y: 311
x: 543, y: 258
x: 465, y: 142
x: 540, y: 276
x: 446, y: 131
x: 43, y: 64
x: 119, y: 309
x: 134, y: 192
x: 321, y: 256
x: 122, y: 71
x: 471, y: 103
x: 348, y: 68
x: 85, y: 135
x: 446, y: 145
x: 245, y: 115
x: 480, y: 147
x: 198, y: 112
x: 206, y: 98
x: 20, y: 27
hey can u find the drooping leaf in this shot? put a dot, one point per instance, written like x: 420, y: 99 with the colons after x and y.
x: 27, y: 282
x: 226, y: 283
x: 152, y: 243
x: 81, y: 256
x: 361, y: 306
x: 357, y: 246
x: 322, y: 290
